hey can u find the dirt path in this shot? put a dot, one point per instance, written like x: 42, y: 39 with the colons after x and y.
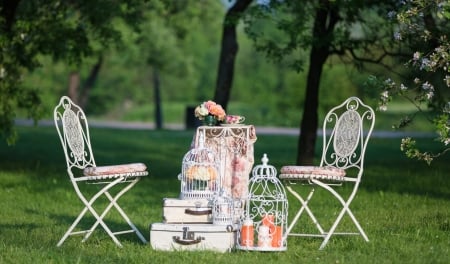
x: 260, y: 130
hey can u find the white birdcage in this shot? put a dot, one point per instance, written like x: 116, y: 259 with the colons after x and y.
x: 264, y: 220
x: 222, y: 209
x: 200, y: 176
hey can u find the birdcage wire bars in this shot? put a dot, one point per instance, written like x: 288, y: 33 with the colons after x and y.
x: 264, y: 220
x: 200, y: 177
x: 223, y: 209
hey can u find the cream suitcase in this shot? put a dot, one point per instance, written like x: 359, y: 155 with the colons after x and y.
x: 187, y: 211
x: 219, y: 238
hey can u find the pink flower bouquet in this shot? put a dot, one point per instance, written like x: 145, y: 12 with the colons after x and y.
x: 210, y: 108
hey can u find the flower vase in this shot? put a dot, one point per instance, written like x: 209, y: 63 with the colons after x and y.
x: 210, y: 120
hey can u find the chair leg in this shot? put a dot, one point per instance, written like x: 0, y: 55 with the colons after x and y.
x: 89, y: 231
x: 99, y: 219
x: 113, y: 202
x: 337, y: 221
x: 88, y: 206
x: 122, y: 213
x: 105, y: 227
x: 74, y: 224
x: 361, y: 231
x: 306, y: 208
x: 345, y: 209
x: 127, y: 219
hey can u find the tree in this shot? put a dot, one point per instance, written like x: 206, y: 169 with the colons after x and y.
x: 423, y: 24
x: 229, y: 49
x: 353, y: 30
x: 66, y: 30
x: 167, y: 26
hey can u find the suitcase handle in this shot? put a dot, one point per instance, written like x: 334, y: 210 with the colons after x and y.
x: 180, y: 241
x: 198, y: 212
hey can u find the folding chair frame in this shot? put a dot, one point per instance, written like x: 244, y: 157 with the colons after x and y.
x: 344, y: 148
x: 73, y: 130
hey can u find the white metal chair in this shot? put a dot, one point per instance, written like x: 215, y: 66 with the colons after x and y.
x: 346, y: 131
x: 73, y: 131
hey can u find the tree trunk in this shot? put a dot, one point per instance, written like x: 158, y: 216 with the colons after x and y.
x: 156, y: 87
x: 309, y: 124
x: 78, y: 94
x: 228, y: 52
x: 90, y: 82
x: 74, y: 85
x: 325, y: 20
x: 8, y: 13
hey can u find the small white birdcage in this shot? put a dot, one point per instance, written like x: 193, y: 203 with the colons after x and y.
x: 222, y: 209
x: 200, y: 173
x: 264, y: 220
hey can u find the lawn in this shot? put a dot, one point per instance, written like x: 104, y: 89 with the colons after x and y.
x: 403, y: 205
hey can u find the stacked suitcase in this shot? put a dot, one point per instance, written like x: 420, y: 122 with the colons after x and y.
x: 190, y: 221
x: 187, y: 225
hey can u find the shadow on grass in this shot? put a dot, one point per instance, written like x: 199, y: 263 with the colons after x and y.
x: 99, y: 233
x: 388, y: 169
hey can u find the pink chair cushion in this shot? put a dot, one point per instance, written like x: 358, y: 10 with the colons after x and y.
x: 114, y: 169
x: 313, y: 170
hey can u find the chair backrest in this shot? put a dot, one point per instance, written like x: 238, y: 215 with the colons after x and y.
x: 73, y: 131
x: 346, y: 131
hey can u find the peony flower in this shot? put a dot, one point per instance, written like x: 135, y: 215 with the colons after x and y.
x: 210, y: 108
x: 217, y: 111
x: 201, y: 111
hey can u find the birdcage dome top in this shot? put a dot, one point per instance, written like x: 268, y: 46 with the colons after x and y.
x: 264, y: 183
x: 264, y: 170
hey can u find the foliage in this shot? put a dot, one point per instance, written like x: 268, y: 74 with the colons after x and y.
x: 130, y: 35
x: 285, y: 31
x: 64, y: 30
x: 425, y: 25
x: 282, y: 30
x: 188, y: 73
x: 165, y: 58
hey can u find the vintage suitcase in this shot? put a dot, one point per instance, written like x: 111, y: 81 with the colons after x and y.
x: 220, y: 238
x: 187, y: 211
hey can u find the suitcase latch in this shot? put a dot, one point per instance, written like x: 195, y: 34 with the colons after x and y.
x: 188, y: 238
x: 188, y: 235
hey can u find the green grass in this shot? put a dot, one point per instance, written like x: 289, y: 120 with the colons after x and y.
x: 403, y: 205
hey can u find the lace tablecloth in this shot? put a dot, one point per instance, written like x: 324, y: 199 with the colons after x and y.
x: 234, y: 147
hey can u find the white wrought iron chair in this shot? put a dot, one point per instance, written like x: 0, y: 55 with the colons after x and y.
x: 73, y: 131
x: 346, y: 131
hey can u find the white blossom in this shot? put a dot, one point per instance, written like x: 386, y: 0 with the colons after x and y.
x: 382, y: 108
x: 427, y: 86
x: 425, y: 63
x: 446, y: 141
x: 403, y: 87
x: 391, y: 14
